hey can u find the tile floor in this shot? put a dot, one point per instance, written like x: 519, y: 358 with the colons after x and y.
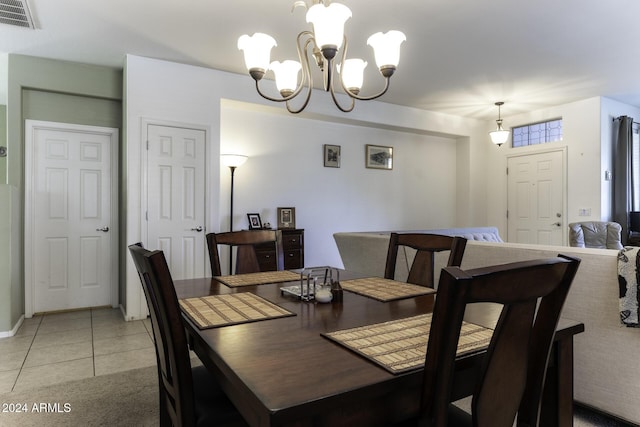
x: 59, y: 347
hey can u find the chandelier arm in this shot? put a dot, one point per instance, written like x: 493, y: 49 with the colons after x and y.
x: 354, y: 95
x: 369, y: 98
x: 333, y: 93
x: 340, y: 107
x: 306, y: 72
x: 270, y: 98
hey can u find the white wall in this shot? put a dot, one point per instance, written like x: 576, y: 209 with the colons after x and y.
x: 285, y: 168
x: 588, y: 156
x: 432, y: 184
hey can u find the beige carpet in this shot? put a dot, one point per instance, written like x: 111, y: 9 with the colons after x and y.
x: 127, y: 398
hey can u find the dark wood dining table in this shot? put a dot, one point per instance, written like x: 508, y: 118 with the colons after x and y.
x: 282, y: 372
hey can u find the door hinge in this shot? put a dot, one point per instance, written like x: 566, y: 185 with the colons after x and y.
x: 146, y: 215
x: 147, y: 145
x: 148, y: 148
x: 507, y: 214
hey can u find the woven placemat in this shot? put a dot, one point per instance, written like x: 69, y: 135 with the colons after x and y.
x: 384, y: 289
x: 263, y: 278
x: 222, y: 310
x: 400, y: 345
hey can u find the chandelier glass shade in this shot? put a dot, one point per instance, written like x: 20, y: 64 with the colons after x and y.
x: 499, y: 136
x: 322, y: 44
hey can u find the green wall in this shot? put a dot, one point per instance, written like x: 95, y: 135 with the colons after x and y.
x: 45, y: 89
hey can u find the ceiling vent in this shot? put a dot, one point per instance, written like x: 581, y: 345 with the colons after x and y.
x: 16, y: 12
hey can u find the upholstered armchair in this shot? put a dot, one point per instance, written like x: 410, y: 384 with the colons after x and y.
x: 595, y: 234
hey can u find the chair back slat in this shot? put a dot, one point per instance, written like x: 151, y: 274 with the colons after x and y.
x: 245, y: 240
x: 426, y: 245
x: 174, y: 367
x: 511, y: 380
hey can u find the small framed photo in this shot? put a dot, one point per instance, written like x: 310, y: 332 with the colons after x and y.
x: 378, y: 157
x: 255, y: 223
x: 286, y: 217
x: 331, y: 156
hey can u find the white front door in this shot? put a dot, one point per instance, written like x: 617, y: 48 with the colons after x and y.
x: 536, y: 194
x: 176, y: 198
x: 71, y: 222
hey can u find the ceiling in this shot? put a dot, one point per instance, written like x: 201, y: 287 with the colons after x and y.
x: 460, y: 56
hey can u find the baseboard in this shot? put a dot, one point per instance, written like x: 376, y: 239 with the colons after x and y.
x: 12, y: 332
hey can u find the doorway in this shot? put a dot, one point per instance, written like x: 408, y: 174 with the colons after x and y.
x: 174, y: 197
x: 71, y: 221
x: 536, y: 198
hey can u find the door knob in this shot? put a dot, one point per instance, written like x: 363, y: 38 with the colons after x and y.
x: 557, y: 224
x: 198, y: 229
x: 103, y: 229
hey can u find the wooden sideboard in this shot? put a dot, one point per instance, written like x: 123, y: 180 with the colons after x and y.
x: 293, y: 246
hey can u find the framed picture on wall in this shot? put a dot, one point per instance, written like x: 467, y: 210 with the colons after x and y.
x: 286, y: 217
x: 255, y: 223
x: 378, y: 157
x: 331, y: 156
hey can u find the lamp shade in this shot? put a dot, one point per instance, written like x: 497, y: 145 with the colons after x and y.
x: 286, y: 73
x: 352, y: 73
x: 233, y: 160
x: 499, y: 136
x: 386, y: 47
x: 257, y: 50
x: 328, y: 24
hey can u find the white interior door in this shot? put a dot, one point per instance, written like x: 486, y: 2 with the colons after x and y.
x: 536, y: 194
x: 71, y: 216
x: 176, y: 198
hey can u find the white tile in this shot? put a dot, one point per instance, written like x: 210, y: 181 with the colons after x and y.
x: 44, y: 375
x: 59, y: 338
x: 118, y: 330
x: 115, y: 313
x: 121, y: 344
x: 66, y: 315
x: 10, y: 361
x: 62, y: 324
x: 58, y: 353
x: 15, y: 343
x: 123, y: 361
x: 29, y: 329
x: 8, y: 380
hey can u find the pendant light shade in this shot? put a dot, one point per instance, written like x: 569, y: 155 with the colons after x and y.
x: 499, y: 136
x: 328, y: 25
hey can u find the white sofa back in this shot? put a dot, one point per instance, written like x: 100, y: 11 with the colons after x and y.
x: 607, y: 354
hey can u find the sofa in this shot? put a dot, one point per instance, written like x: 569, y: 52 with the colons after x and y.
x: 595, y: 234
x: 606, y: 355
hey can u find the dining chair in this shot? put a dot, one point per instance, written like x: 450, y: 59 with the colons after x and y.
x: 247, y: 259
x: 511, y: 379
x: 188, y: 396
x: 426, y: 245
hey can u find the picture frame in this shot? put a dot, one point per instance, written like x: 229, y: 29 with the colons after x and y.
x: 331, y: 156
x: 378, y: 157
x: 255, y: 223
x: 286, y: 217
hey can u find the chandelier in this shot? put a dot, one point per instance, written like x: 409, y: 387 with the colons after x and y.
x: 322, y: 43
x: 499, y: 136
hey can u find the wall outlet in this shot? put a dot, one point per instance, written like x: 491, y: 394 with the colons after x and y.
x: 584, y: 212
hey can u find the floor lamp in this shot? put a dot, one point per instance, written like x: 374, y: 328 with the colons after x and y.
x: 232, y: 161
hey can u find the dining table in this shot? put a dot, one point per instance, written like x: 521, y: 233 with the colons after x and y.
x: 285, y: 371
